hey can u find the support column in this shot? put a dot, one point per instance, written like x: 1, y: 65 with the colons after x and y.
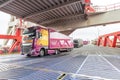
x: 114, y: 41
x: 105, y: 41
x: 99, y: 40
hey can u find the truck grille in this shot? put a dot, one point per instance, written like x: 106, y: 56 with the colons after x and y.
x: 26, y: 49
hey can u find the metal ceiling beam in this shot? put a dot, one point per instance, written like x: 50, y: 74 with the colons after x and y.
x: 52, y: 8
x: 64, y: 17
x: 6, y: 3
x: 67, y: 32
x: 69, y: 17
x: 12, y: 13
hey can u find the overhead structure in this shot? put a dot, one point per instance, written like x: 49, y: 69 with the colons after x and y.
x: 47, y: 12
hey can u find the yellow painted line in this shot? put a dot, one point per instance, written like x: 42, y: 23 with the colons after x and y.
x: 4, y: 54
x: 61, y: 77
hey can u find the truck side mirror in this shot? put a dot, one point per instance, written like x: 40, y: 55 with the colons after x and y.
x: 38, y: 35
x: 32, y: 35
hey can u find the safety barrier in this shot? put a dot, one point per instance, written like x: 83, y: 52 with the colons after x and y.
x: 110, y: 39
x: 107, y: 8
x: 17, y: 38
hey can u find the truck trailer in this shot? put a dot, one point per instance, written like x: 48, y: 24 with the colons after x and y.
x: 78, y: 43
x: 40, y: 41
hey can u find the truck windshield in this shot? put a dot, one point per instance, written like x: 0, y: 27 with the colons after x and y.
x: 28, y: 35
x: 30, y: 32
x: 75, y: 41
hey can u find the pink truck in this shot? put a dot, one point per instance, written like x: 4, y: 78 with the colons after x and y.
x: 40, y: 41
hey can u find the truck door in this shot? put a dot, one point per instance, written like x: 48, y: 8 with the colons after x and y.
x: 43, y: 40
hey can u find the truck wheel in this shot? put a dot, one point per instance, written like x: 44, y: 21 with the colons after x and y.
x: 28, y: 55
x: 42, y: 53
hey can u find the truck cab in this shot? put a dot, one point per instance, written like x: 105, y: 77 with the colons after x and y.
x: 29, y: 41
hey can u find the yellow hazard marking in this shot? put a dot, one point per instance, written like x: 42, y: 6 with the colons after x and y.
x: 4, y: 54
x: 61, y: 77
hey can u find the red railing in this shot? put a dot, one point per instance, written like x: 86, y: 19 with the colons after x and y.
x: 107, y: 7
x: 106, y: 40
x: 17, y: 37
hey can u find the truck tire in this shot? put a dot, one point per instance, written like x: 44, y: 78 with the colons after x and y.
x: 42, y: 53
x: 28, y: 55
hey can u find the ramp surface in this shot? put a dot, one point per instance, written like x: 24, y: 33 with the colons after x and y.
x: 86, y: 63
